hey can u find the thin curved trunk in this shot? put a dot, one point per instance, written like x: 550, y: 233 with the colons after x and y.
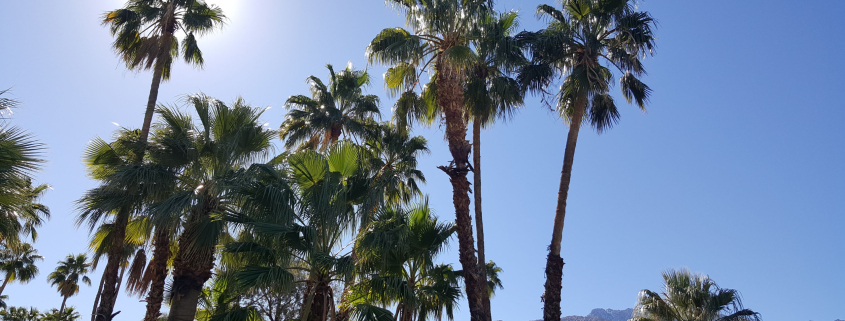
x: 554, y: 263
x: 151, y: 102
x: 62, y: 309
x: 109, y: 297
x: 6, y: 281
x: 97, y: 298
x: 320, y: 304
x: 407, y: 314
x: 109, y: 293
x: 479, y: 223
x: 191, y: 268
x: 168, y: 27
x: 398, y: 309
x: 119, y: 281
x: 161, y: 254
x: 450, y: 97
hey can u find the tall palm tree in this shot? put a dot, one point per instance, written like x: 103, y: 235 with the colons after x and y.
x: 582, y: 43
x: 67, y: 276
x: 441, y: 38
x: 145, y: 38
x: 19, y: 264
x: 491, y: 94
x: 335, y: 109
x: 397, y: 252
x: 690, y: 296
x: 227, y: 140
x: 296, y: 215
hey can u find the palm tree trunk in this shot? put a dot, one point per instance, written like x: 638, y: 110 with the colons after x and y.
x: 191, y: 268
x: 479, y: 227
x: 109, y: 293
x: 6, y: 281
x: 450, y: 97
x: 161, y: 254
x: 554, y: 263
x: 62, y: 309
x: 97, y: 298
x: 407, y: 313
x: 151, y: 101
x: 120, y: 280
x: 398, y: 309
x: 319, y: 305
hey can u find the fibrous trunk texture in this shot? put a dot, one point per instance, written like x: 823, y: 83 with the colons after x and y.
x: 407, y: 313
x: 161, y: 254
x: 191, y: 268
x: 450, y: 98
x: 109, y: 293
x: 554, y: 263
x: 479, y: 223
x: 321, y: 302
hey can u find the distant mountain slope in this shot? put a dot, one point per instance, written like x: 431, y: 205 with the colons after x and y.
x: 602, y: 315
x: 611, y: 314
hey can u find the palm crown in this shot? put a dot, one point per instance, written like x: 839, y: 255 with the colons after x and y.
x: 575, y: 43
x: 19, y: 263
x: 332, y: 110
x: 392, y: 155
x: 691, y: 297
x: 20, y: 211
x: 69, y: 273
x: 145, y: 31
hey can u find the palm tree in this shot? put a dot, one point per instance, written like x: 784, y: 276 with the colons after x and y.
x: 443, y: 31
x: 397, y: 252
x: 67, y: 276
x: 227, y: 140
x: 391, y: 153
x: 296, y: 216
x: 491, y: 94
x: 171, y: 146
x: 20, y: 212
x: 145, y: 38
x: 573, y: 46
x: 331, y: 111
x: 691, y: 297
x: 19, y: 264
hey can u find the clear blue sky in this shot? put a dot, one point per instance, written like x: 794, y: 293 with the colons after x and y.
x: 735, y: 171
